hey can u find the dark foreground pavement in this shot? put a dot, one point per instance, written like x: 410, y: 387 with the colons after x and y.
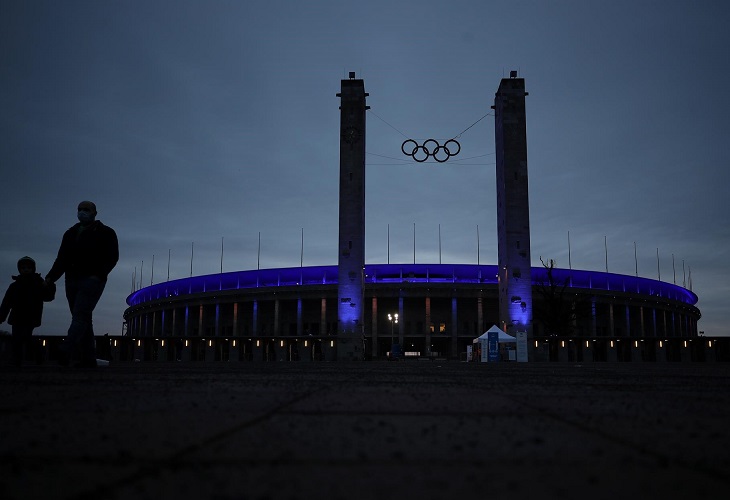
x: 427, y: 430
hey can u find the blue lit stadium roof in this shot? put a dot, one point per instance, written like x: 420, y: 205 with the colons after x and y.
x: 404, y: 273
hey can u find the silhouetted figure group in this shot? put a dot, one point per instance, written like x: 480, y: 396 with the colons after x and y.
x: 89, y: 251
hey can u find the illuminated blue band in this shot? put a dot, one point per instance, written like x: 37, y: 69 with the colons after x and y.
x: 405, y: 273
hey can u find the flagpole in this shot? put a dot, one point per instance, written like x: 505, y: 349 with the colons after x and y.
x: 689, y: 269
x: 477, y: 244
x: 674, y: 270
x: 570, y: 262
x: 152, y: 276
x: 221, y: 254
x: 636, y: 262
x: 658, y: 272
x: 168, y: 263
x: 388, y: 243
x: 301, y: 253
x: 605, y: 245
x: 258, y: 255
x: 192, y: 251
x: 414, y: 242
x: 439, y: 243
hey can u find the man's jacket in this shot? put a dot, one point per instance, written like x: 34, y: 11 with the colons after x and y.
x: 92, y: 250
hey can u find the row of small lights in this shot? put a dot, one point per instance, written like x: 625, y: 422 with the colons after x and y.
x: 210, y: 343
x: 332, y: 343
x: 636, y: 343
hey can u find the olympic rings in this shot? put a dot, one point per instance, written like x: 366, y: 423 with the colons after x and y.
x: 431, y: 147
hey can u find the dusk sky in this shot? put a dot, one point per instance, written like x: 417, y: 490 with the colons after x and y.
x: 209, y: 122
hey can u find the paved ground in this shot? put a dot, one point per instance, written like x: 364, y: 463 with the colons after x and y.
x: 426, y: 430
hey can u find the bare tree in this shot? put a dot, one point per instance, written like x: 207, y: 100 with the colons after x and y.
x: 557, y: 309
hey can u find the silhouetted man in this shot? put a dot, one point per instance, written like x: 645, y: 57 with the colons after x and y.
x: 89, y: 251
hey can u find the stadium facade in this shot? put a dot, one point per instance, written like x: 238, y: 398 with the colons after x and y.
x: 292, y: 313
x: 341, y: 312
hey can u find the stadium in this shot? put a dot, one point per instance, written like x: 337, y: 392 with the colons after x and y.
x: 291, y: 313
x: 356, y: 311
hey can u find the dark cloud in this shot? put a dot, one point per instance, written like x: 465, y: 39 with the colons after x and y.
x: 192, y: 121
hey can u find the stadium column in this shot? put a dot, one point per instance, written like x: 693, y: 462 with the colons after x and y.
x: 427, y: 332
x: 480, y: 315
x: 300, y: 325
x: 454, y: 327
x: 374, y: 333
x: 323, y: 317
x: 186, y: 327
x: 594, y: 319
x: 276, y: 317
x: 611, y: 324
x: 401, y: 321
x: 217, y: 332
x: 351, y: 251
x: 642, y: 328
x: 513, y: 206
x: 235, y: 319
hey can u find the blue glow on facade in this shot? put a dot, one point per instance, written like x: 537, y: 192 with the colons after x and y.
x: 403, y: 273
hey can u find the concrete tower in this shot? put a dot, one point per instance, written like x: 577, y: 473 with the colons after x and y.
x: 351, y: 254
x: 513, y: 206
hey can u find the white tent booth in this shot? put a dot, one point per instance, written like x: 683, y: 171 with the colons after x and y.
x: 506, y: 343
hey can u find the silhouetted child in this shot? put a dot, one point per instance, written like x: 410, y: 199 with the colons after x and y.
x: 24, y: 302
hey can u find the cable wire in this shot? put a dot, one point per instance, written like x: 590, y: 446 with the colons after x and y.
x: 388, y: 157
x: 404, y: 161
x: 470, y: 126
x: 388, y: 124
x: 409, y: 139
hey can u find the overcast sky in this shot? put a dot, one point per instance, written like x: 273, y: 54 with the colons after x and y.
x: 214, y: 121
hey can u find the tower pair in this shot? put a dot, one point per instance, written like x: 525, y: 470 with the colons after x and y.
x: 513, y: 213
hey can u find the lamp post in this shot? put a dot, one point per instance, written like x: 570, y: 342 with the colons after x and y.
x: 393, y: 318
